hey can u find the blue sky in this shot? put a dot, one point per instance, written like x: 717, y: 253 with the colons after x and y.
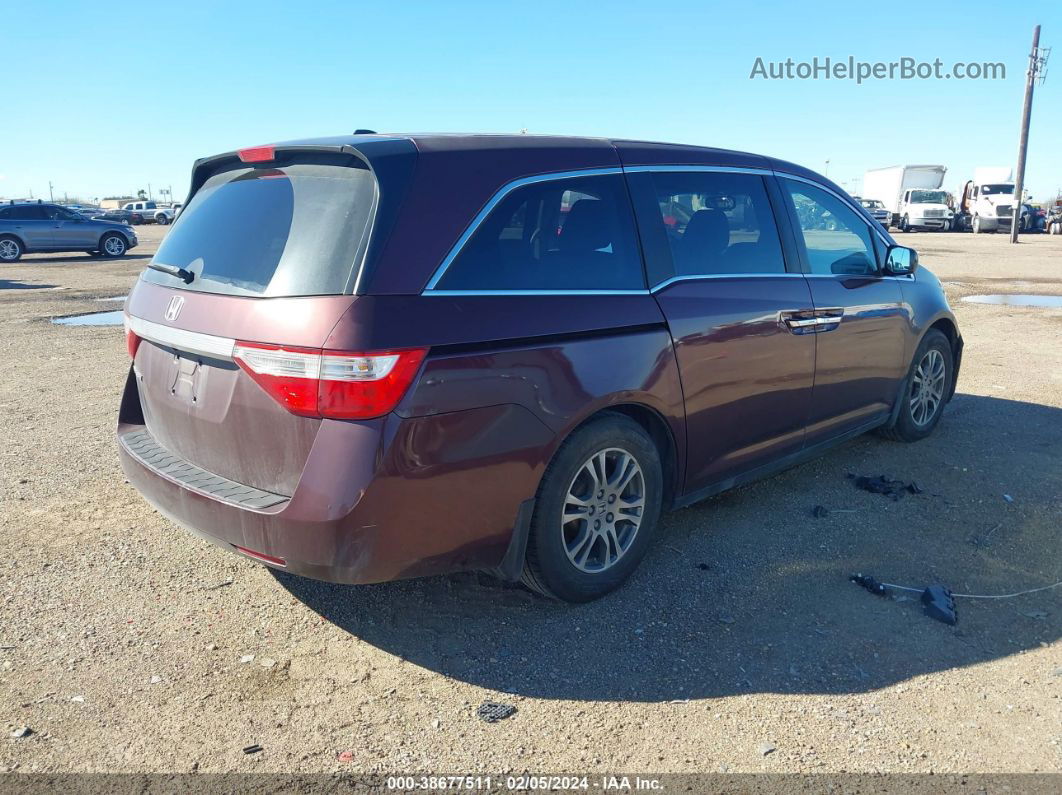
x: 113, y: 97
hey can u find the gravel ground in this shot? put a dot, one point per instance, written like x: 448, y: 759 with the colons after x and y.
x: 128, y: 645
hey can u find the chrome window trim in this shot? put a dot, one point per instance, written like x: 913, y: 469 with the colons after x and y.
x: 679, y: 169
x: 535, y: 292
x: 182, y: 339
x: 509, y: 187
x: 493, y: 202
x: 694, y: 277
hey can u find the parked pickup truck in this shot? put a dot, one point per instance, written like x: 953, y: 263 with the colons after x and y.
x: 145, y: 212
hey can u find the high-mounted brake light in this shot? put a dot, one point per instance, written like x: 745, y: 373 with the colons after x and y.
x: 335, y: 384
x: 257, y: 154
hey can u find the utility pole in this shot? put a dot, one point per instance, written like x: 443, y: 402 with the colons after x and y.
x: 50, y: 197
x: 1037, y: 62
x: 149, y: 191
x: 827, y: 169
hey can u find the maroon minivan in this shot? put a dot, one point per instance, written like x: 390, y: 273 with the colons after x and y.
x: 384, y: 356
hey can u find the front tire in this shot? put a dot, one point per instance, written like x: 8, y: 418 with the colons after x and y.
x: 10, y: 249
x: 925, y: 391
x: 905, y: 225
x: 113, y: 244
x: 597, y: 511
x: 161, y: 220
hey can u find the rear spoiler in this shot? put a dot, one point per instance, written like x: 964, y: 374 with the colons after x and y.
x: 205, y: 166
x: 391, y: 161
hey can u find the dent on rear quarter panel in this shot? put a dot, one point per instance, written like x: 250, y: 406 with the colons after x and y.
x: 558, y: 383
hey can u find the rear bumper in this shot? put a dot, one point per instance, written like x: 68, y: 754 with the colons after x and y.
x: 377, y: 501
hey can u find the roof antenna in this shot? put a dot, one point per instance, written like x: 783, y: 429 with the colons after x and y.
x: 361, y: 131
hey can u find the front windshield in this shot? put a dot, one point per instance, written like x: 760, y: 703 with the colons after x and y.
x: 987, y: 190
x: 872, y: 204
x: 929, y: 197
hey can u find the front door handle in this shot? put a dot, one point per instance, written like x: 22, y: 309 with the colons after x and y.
x: 813, y: 321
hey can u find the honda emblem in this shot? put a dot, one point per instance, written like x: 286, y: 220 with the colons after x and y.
x: 174, y: 307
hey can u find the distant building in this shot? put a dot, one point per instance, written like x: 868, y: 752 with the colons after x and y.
x: 115, y: 202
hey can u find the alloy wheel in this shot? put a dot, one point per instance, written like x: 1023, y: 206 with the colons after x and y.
x: 114, y: 246
x: 8, y: 249
x: 927, y: 387
x: 603, y: 510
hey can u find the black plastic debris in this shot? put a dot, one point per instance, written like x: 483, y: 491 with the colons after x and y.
x: 492, y: 711
x: 702, y: 566
x: 820, y: 511
x: 868, y: 582
x: 893, y: 489
x: 939, y: 604
x: 253, y: 749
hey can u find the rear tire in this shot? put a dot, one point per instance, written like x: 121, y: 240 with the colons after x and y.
x: 11, y: 249
x: 597, y: 511
x: 925, y: 390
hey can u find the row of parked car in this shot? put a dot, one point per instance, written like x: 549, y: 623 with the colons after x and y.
x: 133, y: 213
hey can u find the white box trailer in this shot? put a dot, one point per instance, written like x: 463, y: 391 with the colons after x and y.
x: 888, y: 185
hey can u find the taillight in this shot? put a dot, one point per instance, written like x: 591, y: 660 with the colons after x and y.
x: 132, y: 341
x: 336, y: 384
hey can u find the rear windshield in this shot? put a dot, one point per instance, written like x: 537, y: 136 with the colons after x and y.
x: 286, y: 231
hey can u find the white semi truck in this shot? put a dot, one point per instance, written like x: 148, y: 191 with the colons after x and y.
x: 986, y: 202
x: 912, y: 195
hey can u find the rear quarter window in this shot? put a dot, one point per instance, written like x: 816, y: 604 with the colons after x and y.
x: 573, y: 233
x: 287, y: 231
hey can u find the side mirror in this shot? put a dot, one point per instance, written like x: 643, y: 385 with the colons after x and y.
x: 901, y: 261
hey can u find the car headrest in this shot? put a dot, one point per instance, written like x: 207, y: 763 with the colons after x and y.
x: 707, y: 233
x: 588, y: 226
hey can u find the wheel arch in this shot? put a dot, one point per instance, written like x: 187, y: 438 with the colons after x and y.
x: 947, y: 326
x: 106, y: 232
x: 21, y: 242
x: 654, y: 424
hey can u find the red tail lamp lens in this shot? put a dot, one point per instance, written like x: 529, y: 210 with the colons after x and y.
x: 257, y: 154
x: 334, y: 384
x: 132, y: 341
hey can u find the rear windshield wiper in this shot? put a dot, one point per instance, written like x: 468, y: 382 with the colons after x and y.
x: 184, y: 275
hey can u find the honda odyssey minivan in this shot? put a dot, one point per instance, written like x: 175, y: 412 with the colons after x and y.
x: 383, y: 356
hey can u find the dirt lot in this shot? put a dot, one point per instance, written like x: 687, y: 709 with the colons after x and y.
x: 123, y: 649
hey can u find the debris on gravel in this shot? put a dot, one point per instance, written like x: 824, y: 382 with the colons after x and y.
x: 893, y: 489
x: 492, y: 711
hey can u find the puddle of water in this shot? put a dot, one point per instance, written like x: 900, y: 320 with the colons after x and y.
x: 92, y: 319
x: 1043, y: 301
